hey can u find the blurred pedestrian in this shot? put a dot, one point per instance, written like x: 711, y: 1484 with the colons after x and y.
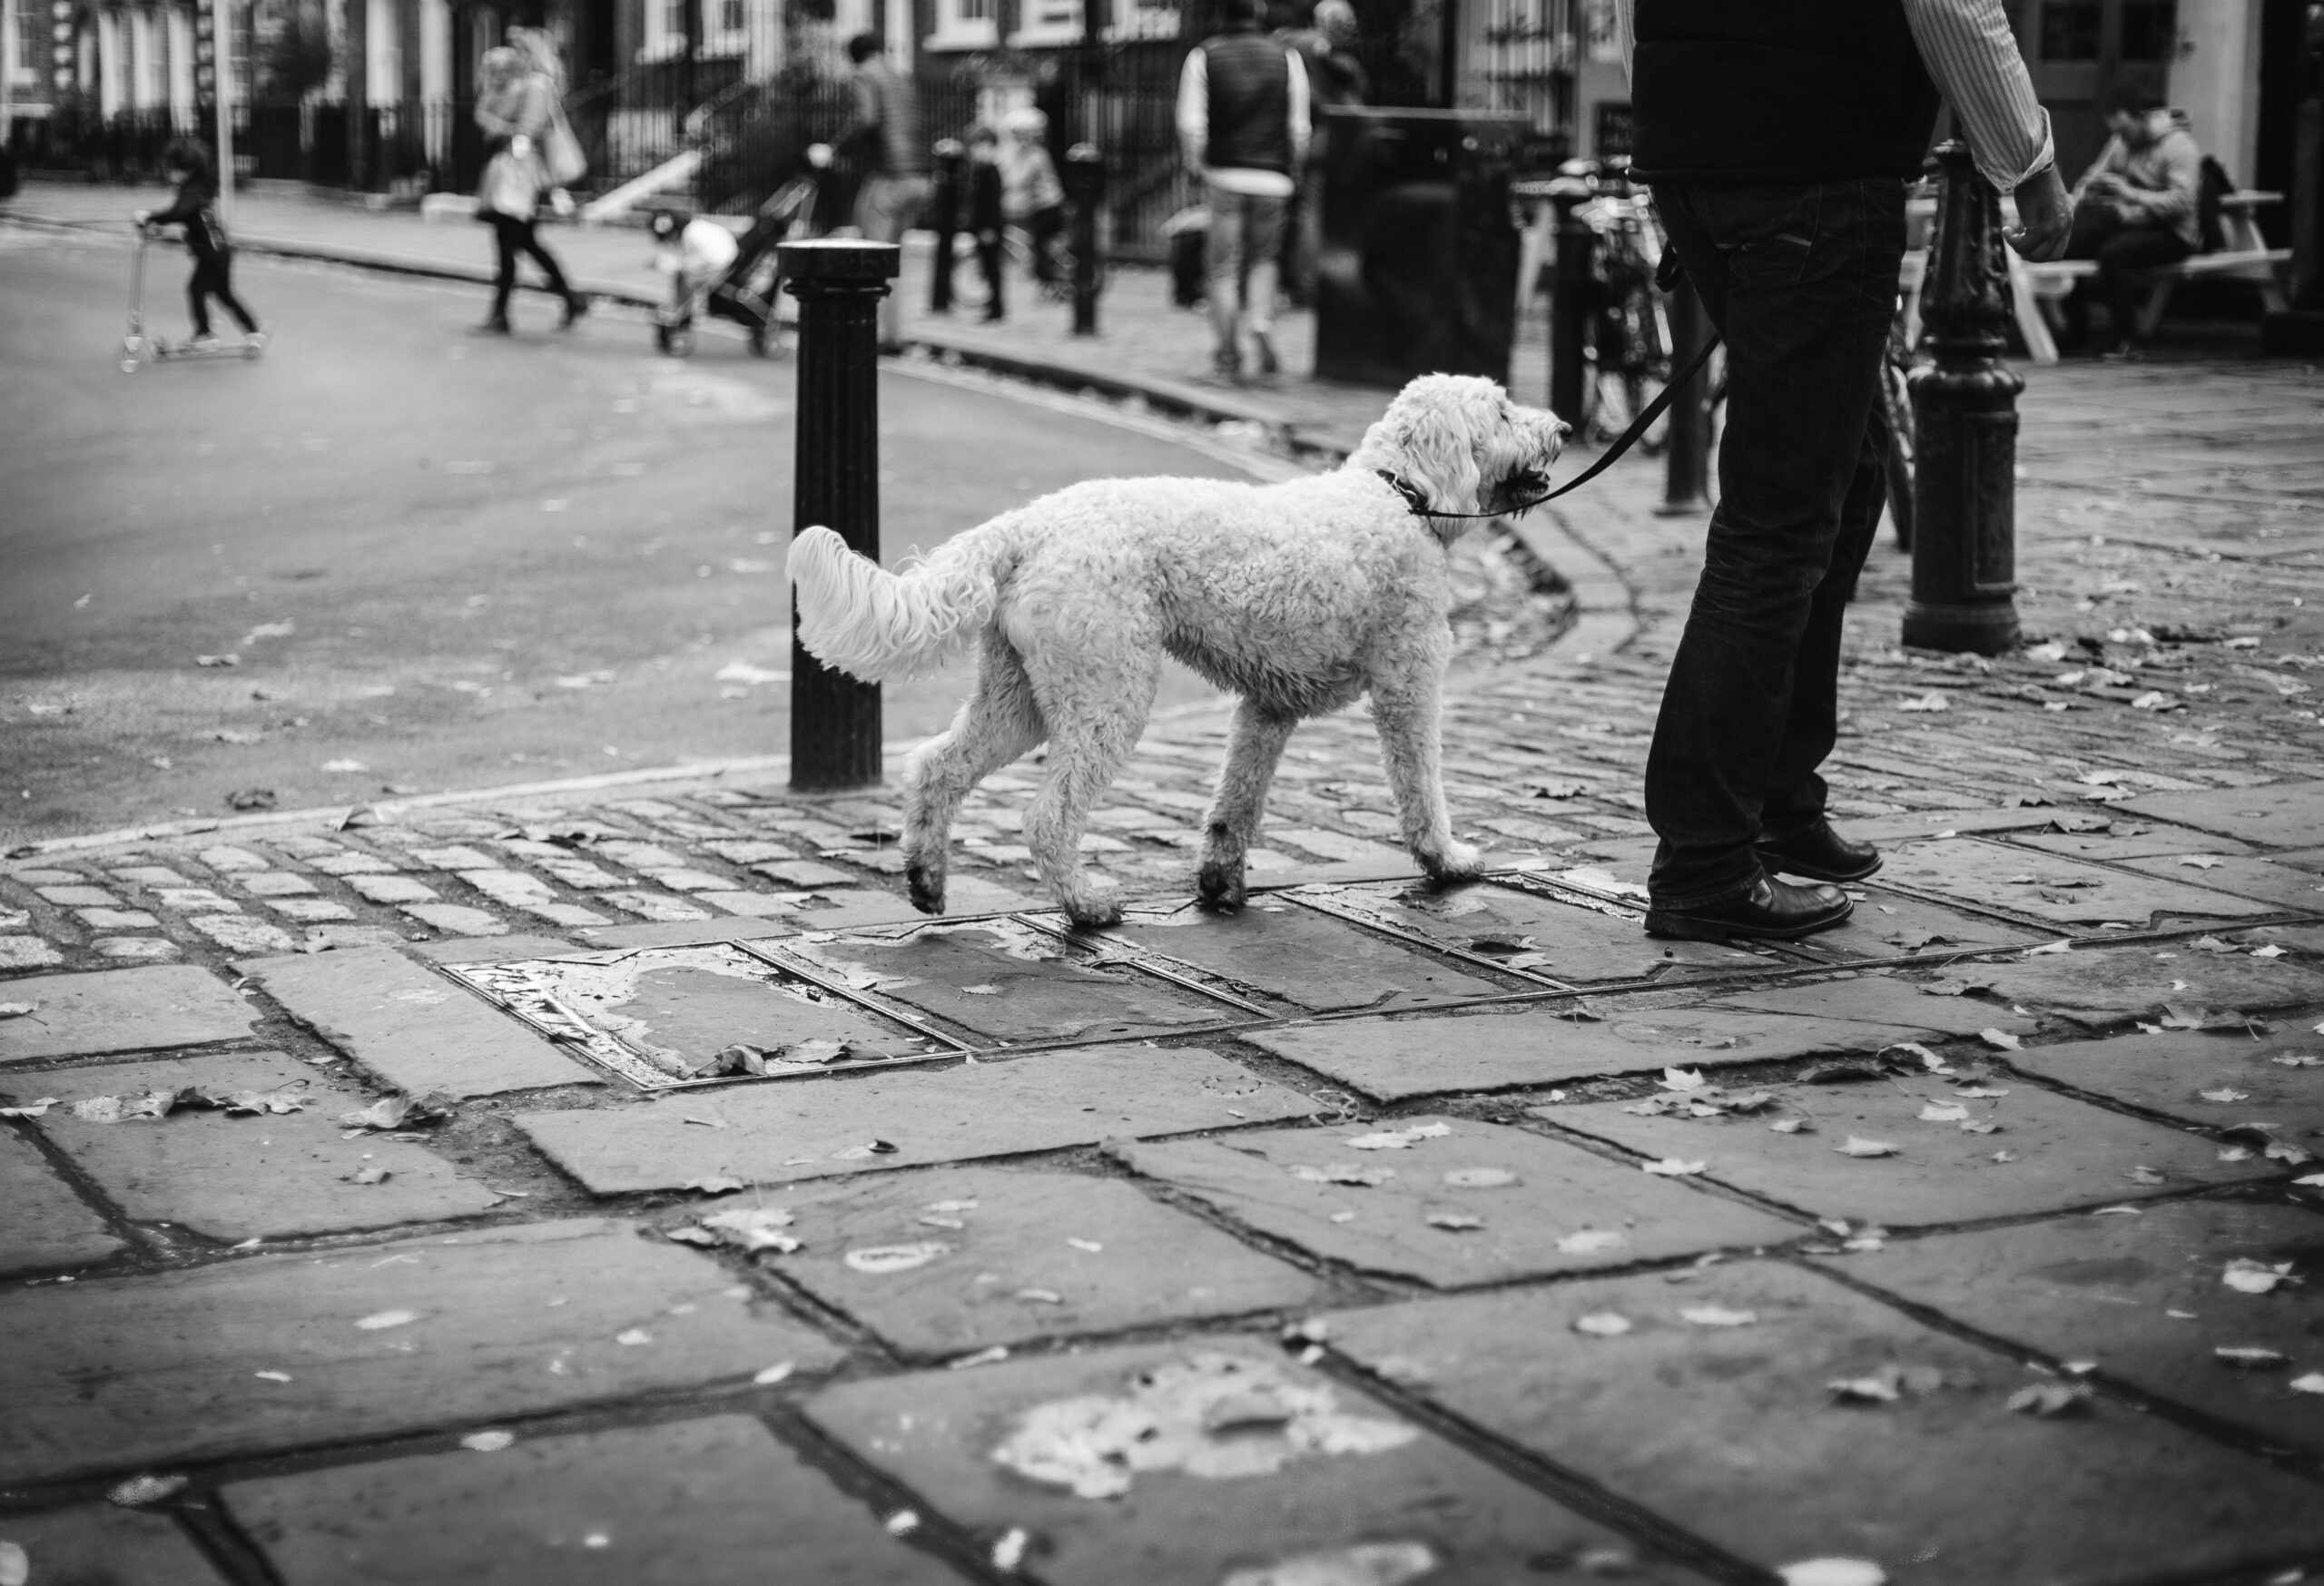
x: 2135, y: 208
x: 1032, y: 198
x: 195, y: 208
x: 515, y: 106
x: 1243, y: 123
x: 1778, y: 141
x: 885, y: 138
x: 987, y: 216
x: 1334, y: 78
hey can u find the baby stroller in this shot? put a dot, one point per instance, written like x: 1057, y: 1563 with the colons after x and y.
x: 744, y: 289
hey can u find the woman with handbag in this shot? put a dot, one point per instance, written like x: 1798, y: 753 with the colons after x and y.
x: 518, y: 107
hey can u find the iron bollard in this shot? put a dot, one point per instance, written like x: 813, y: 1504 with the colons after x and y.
x: 944, y: 214
x: 1085, y: 184
x: 2298, y: 331
x: 835, y: 481
x: 1686, y: 484
x: 1569, y: 307
x: 1964, y: 409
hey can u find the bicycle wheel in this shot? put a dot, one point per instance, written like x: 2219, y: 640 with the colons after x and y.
x: 1895, y: 395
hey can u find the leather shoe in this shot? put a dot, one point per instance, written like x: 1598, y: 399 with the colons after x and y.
x: 1772, y: 910
x: 1819, y: 853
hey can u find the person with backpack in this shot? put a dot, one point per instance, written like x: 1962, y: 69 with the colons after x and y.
x: 2137, y: 207
x: 196, y: 209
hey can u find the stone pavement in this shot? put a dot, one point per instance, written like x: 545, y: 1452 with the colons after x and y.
x: 623, y: 1185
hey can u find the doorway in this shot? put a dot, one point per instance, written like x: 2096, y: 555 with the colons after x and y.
x: 2083, y: 53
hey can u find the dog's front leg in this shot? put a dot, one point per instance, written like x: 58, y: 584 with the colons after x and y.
x: 1254, y: 746
x: 1406, y: 715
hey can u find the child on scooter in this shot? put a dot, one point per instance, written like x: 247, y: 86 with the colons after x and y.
x: 188, y: 163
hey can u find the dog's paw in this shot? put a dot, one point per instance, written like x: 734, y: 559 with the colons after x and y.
x: 1093, y: 913
x: 1456, y: 861
x: 926, y: 885
x: 1220, y: 885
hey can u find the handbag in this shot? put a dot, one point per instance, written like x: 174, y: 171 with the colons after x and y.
x: 561, y: 151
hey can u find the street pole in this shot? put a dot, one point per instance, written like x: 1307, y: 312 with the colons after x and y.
x: 1569, y: 307
x: 1964, y: 410
x: 1085, y: 178
x: 221, y: 71
x: 835, y: 482
x: 944, y: 214
x: 1686, y: 485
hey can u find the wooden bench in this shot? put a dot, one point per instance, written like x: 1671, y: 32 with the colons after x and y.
x: 2038, y: 291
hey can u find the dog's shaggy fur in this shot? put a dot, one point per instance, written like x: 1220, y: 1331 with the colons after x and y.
x: 1298, y: 596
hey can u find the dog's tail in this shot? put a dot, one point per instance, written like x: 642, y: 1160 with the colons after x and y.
x: 877, y: 626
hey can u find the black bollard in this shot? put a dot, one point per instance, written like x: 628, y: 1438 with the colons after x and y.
x: 1570, y: 304
x: 1685, y: 483
x: 944, y: 214
x: 1964, y: 408
x: 835, y: 481
x: 1085, y: 184
x: 2299, y: 331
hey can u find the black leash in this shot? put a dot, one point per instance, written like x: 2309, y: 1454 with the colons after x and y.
x: 1613, y: 454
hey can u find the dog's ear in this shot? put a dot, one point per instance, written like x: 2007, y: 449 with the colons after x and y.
x: 1434, y: 432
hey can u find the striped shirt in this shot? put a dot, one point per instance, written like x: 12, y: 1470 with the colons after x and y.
x: 1971, y: 52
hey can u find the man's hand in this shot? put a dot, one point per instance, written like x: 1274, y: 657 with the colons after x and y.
x: 2044, y: 217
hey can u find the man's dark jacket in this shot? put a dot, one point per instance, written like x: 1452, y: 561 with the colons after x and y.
x: 1778, y: 91
x: 1247, y: 76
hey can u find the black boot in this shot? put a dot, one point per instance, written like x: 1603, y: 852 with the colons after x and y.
x: 1819, y: 853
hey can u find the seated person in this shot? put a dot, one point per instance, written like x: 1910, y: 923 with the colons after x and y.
x: 2134, y: 209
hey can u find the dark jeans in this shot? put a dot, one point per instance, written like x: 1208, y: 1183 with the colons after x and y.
x: 213, y: 277
x: 2124, y: 249
x: 1802, y: 282
x: 990, y: 247
x: 514, y: 237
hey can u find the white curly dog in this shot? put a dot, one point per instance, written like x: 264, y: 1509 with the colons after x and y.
x: 1299, y: 597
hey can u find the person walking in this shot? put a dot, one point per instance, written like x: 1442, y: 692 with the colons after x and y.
x: 195, y: 208
x: 987, y: 216
x: 885, y: 137
x: 1334, y: 78
x: 1243, y: 123
x: 516, y: 107
x: 1778, y: 141
x: 1032, y: 198
x: 2137, y: 206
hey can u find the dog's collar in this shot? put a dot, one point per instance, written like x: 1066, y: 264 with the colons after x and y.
x: 1421, y: 508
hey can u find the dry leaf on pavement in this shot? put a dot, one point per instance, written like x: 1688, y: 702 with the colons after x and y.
x: 2051, y: 1399
x: 1602, y: 1324
x: 2250, y: 1357
x: 1858, y: 1146
x: 2255, y: 1278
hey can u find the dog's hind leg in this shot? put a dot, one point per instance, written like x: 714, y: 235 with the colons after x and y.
x: 1254, y: 746
x: 1095, y: 711
x: 1404, y: 713
x: 998, y: 723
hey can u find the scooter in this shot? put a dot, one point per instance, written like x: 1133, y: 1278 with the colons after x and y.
x: 137, y: 348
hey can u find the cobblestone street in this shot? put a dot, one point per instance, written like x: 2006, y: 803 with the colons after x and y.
x: 621, y: 1184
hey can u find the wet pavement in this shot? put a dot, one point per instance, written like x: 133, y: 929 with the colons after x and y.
x: 623, y: 1184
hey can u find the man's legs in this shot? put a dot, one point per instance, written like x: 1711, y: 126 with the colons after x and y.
x: 2120, y: 260
x: 1802, y: 281
x: 1229, y: 246
x: 886, y: 208
x: 1263, y: 247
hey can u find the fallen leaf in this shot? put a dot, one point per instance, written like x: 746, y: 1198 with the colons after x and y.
x: 758, y: 1228
x: 1457, y: 1222
x: 2051, y: 1399
x: 16, y: 1010
x: 716, y: 1183
x: 1398, y: 1140
x: 1672, y: 1168
x: 2147, y: 1175
x: 1926, y: 702
x: 488, y: 1442
x: 2001, y: 1040
x: 884, y: 1260
x: 2254, y: 1278
x: 2224, y: 1094
x: 1833, y: 1572
x: 2250, y: 1357
x: 378, y: 1320
x: 1789, y: 1126
x: 141, y: 1490
x: 992, y: 1357
x: 1858, y: 1146
x: 2199, y: 862
x: 1943, y: 1112
x: 1718, y: 1316
x: 633, y: 1338
x: 367, y: 1176
x: 1682, y: 1079
x: 1879, y: 1389
x: 1479, y: 1178
x: 30, y: 1108
x: 2310, y: 1382
x: 1341, y: 1173
x: 1602, y: 1324
x: 1087, y: 1247
x: 774, y: 1373
x: 1591, y: 1242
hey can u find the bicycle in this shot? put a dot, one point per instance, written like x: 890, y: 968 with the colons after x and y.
x: 1628, y: 344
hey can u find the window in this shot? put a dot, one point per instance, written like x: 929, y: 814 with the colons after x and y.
x: 1049, y: 22
x: 965, y: 24
x: 1143, y: 19
x: 2070, y: 29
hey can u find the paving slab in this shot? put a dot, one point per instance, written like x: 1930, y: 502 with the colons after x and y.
x: 2047, y: 886
x: 1476, y: 1203
x: 2284, y: 814
x: 376, y: 1339
x: 774, y: 1132
x: 1916, y: 823
x: 1300, y: 957
x: 1562, y: 940
x: 979, y: 1256
x: 2286, y: 886
x: 1881, y: 999
x: 2132, y: 840
x: 2146, y: 1298
x: 1735, y: 1431
x: 680, y: 932
x: 1257, y: 1472
x: 1393, y: 1058
x: 412, y: 1027
x: 270, y: 1175
x: 2218, y: 1079
x: 96, y: 1544
x: 1005, y: 979
x: 1886, y: 923
x: 122, y: 1010
x: 46, y: 1225
x: 2101, y: 986
x: 2048, y: 1152
x: 715, y: 1501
